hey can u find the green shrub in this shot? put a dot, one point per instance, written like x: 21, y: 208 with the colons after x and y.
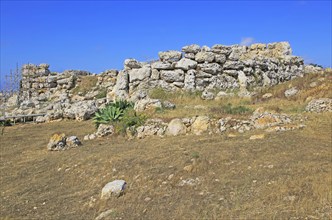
x: 129, y: 120
x: 112, y: 112
x: 6, y: 122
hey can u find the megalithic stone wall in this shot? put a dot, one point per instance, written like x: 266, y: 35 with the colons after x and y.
x: 194, y: 68
x: 203, y: 68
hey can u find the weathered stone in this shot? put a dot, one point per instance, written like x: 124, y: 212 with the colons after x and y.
x: 170, y: 55
x: 146, y: 104
x: 320, y: 105
x: 132, y: 64
x: 200, y: 125
x: 291, y: 92
x: 234, y: 65
x: 114, y: 188
x: 104, y: 130
x: 176, y: 127
x: 73, y: 141
x: 257, y: 137
x: 204, y: 57
x: 212, y: 68
x: 189, y: 56
x: 220, y: 58
x: 162, y: 65
x: 189, y: 80
x: 57, y: 142
x: 193, y: 48
x: 139, y: 74
x: 186, y: 64
x: 207, y: 95
x: 172, y: 75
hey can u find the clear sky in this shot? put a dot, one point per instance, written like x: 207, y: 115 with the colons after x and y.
x: 100, y: 35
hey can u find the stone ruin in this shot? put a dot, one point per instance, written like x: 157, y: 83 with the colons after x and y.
x: 195, y: 68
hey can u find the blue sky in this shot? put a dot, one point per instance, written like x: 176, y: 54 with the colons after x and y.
x: 99, y: 35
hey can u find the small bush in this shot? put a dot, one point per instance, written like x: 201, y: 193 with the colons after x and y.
x: 5, y: 123
x: 112, y: 112
x: 130, y: 119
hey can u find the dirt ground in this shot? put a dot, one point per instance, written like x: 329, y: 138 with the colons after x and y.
x: 286, y: 175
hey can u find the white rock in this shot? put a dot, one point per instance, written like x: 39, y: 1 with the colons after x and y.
x: 193, y: 48
x: 171, y: 55
x: 186, y: 64
x: 139, y: 74
x: 115, y: 188
x: 204, y: 57
x: 176, y: 127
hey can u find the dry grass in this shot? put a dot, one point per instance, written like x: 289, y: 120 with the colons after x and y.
x: 186, y: 102
x: 85, y: 84
x: 286, y: 175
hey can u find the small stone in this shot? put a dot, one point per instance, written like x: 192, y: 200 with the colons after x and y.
x: 189, y: 168
x: 291, y: 92
x: 267, y: 96
x: 147, y: 199
x: 170, y: 177
x: 257, y: 137
x: 231, y: 135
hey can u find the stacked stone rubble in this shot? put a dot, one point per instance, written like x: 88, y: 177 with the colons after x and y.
x: 194, y: 68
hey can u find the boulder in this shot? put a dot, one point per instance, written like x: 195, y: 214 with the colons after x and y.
x: 172, y: 75
x: 189, y: 80
x: 176, y: 127
x: 73, y: 141
x: 193, y: 48
x: 170, y: 55
x: 200, y: 125
x: 104, y: 130
x: 202, y: 57
x: 132, y: 64
x: 186, y: 64
x: 114, y: 188
x: 211, y: 68
x: 57, y: 142
x: 139, y: 74
x: 146, y: 104
x: 161, y: 65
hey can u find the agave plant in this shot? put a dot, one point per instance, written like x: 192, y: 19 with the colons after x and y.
x: 112, y: 112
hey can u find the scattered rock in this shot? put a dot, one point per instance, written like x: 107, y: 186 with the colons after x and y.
x: 206, y: 95
x: 189, y: 168
x: 168, y: 105
x: 146, y: 104
x: 291, y: 92
x: 176, y: 127
x: 73, y: 141
x: 57, y: 142
x: 267, y: 96
x: 114, y: 188
x: 104, y: 130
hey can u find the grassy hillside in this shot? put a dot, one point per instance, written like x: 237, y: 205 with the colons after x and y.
x: 286, y: 175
